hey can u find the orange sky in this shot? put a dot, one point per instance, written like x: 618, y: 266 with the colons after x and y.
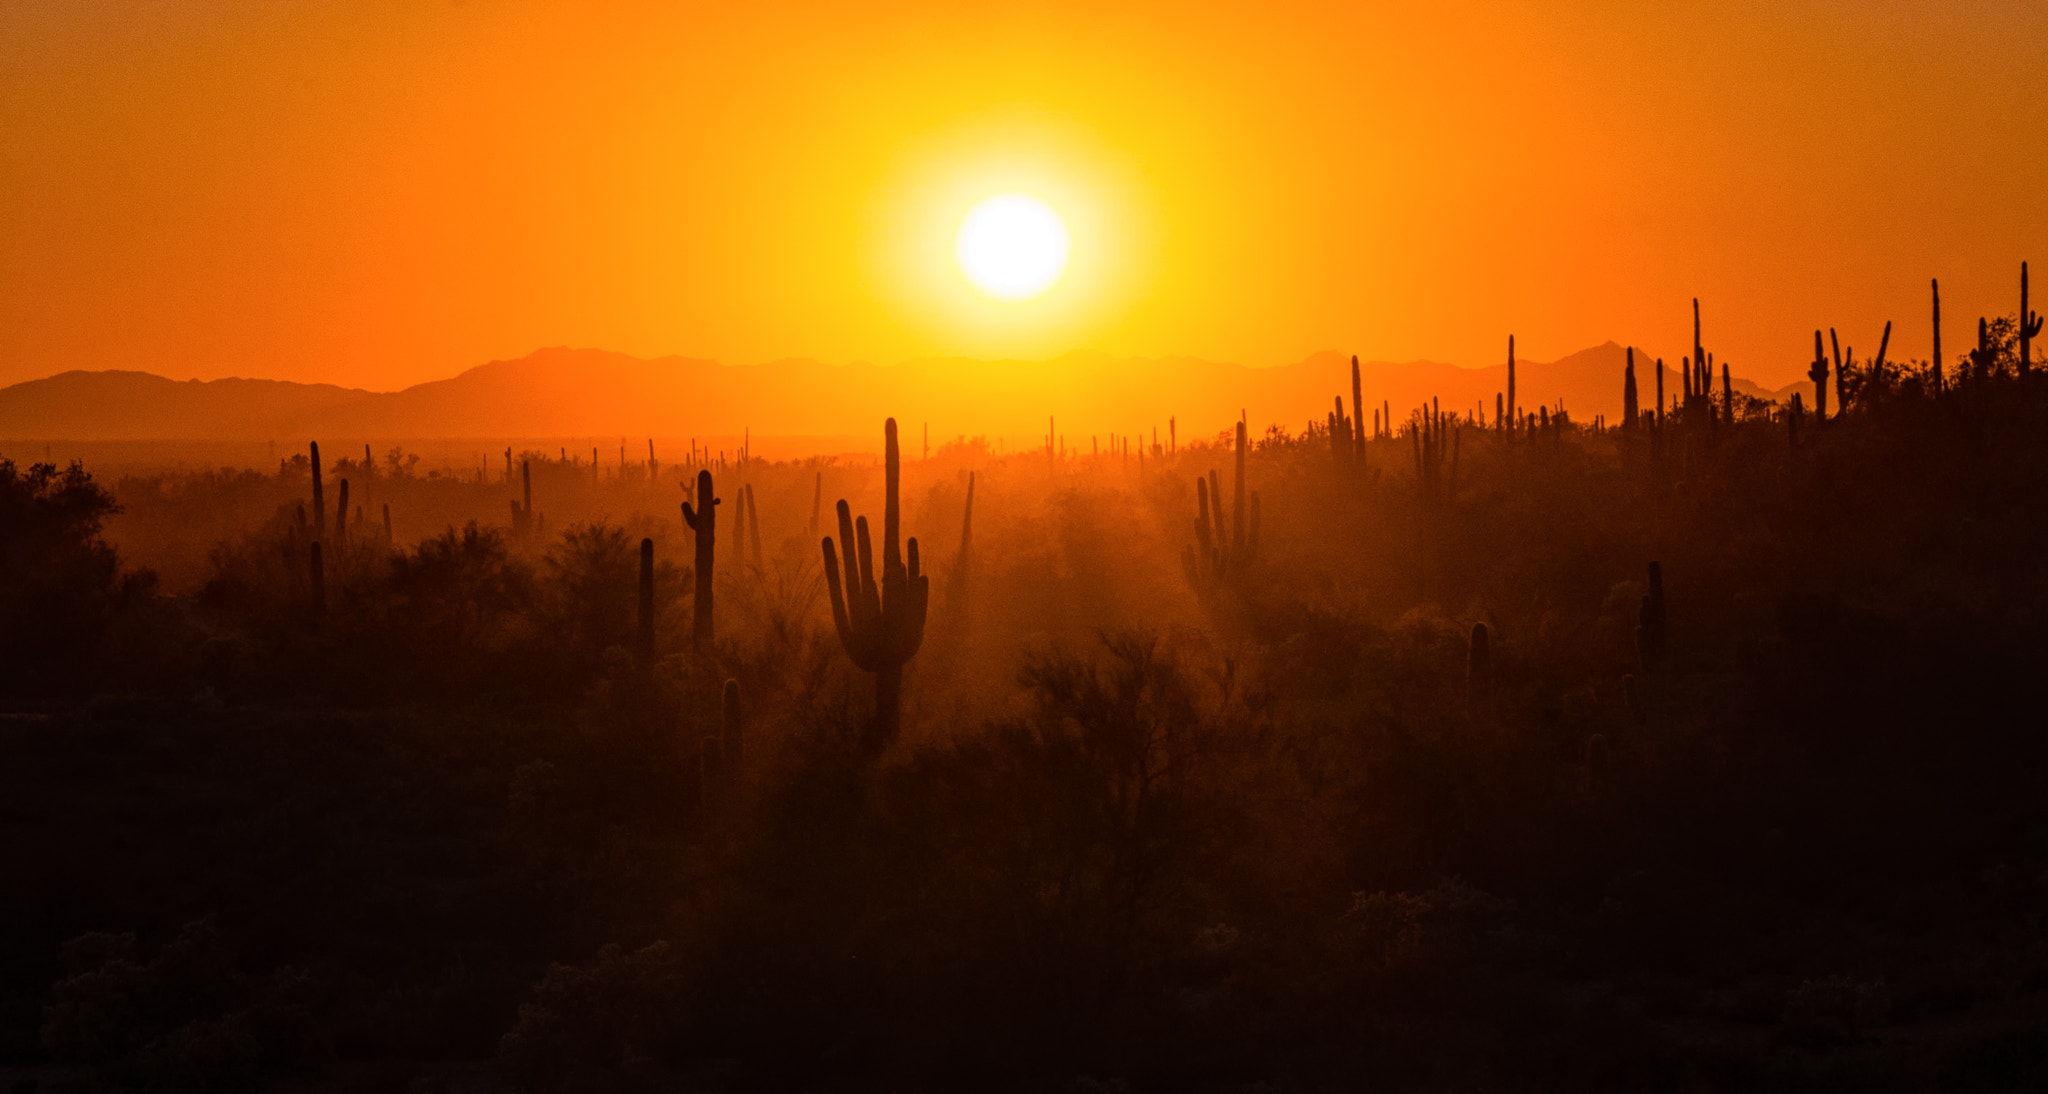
x: 378, y: 192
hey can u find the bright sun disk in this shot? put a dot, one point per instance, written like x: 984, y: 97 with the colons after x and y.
x: 1012, y: 246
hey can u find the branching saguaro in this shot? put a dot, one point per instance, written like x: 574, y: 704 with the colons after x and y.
x: 1819, y: 375
x: 1212, y: 558
x: 880, y: 624
x: 703, y: 522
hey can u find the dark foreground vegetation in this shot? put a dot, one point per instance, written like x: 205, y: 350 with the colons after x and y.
x: 1702, y: 752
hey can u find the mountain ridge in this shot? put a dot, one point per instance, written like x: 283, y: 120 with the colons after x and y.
x: 562, y: 391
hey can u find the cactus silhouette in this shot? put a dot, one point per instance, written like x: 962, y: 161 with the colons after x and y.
x: 1819, y: 375
x: 753, y: 528
x: 643, y: 639
x: 1629, y: 408
x: 817, y: 501
x: 1512, y: 412
x: 341, y: 516
x: 1985, y: 357
x: 1357, y: 412
x: 1657, y: 419
x: 319, y: 498
x: 703, y: 521
x: 387, y: 522
x: 1728, y: 393
x: 880, y: 623
x: 1876, y: 378
x: 2029, y: 327
x: 1934, y: 366
x: 1212, y: 558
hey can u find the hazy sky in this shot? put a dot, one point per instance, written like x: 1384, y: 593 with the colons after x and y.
x: 376, y: 193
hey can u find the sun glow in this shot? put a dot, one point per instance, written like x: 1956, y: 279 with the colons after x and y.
x: 1012, y: 246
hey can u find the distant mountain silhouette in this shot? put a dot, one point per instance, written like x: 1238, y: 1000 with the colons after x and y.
x: 563, y: 392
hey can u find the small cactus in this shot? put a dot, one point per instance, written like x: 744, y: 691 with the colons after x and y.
x: 703, y: 522
x: 1984, y: 358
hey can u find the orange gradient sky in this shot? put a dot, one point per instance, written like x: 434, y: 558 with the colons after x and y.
x: 376, y: 193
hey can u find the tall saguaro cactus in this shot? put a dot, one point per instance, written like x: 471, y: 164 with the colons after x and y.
x: 1513, y: 414
x: 703, y: 521
x: 341, y: 517
x: 1629, y: 408
x: 1934, y: 368
x: 2030, y: 327
x: 319, y: 498
x: 880, y: 624
x: 1357, y: 412
x: 1819, y: 375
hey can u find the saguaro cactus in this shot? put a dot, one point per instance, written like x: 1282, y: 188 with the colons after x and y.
x: 319, y: 498
x: 1657, y: 421
x: 703, y: 521
x: 341, y: 517
x: 880, y: 624
x: 817, y: 501
x: 1628, y: 392
x: 1983, y: 358
x: 1934, y: 366
x: 643, y: 644
x: 1211, y: 558
x: 2030, y: 327
x: 753, y: 528
x: 1512, y: 412
x: 1819, y: 375
x: 1357, y: 411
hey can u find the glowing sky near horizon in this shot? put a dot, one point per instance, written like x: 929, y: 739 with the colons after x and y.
x: 380, y: 192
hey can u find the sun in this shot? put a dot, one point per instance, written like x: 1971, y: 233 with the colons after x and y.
x: 1012, y: 246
